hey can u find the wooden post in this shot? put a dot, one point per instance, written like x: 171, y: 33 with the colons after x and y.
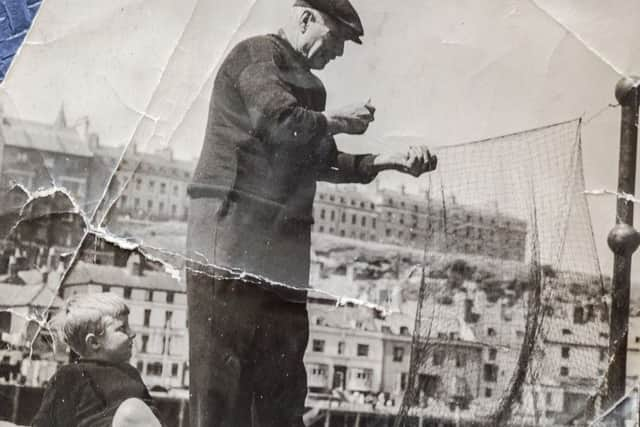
x: 623, y: 239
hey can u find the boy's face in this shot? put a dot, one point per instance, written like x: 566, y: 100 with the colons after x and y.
x: 116, y: 343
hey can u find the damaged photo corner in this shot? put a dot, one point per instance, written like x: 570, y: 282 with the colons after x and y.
x: 318, y: 212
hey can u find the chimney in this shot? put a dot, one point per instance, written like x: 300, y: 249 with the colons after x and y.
x: 468, y: 314
x: 50, y: 259
x: 396, y: 299
x: 135, y: 265
x: 350, y: 277
x: 13, y: 267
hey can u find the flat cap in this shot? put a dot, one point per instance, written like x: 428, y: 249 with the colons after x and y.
x: 340, y: 10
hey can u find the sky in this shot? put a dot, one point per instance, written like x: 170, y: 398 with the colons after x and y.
x: 439, y: 72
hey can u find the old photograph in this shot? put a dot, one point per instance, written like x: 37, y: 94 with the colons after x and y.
x: 319, y: 213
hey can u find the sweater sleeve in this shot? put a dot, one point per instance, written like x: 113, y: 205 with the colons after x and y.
x: 350, y: 168
x: 274, y: 111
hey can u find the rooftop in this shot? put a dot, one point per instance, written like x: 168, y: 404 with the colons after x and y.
x: 43, y: 137
x: 85, y: 273
x: 38, y: 295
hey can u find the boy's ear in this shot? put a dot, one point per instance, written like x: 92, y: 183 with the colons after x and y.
x: 91, y: 340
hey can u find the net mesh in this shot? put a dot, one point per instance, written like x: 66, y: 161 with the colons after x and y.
x: 530, y: 345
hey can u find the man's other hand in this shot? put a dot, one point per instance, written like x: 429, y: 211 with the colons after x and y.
x: 353, y: 119
x: 415, y: 161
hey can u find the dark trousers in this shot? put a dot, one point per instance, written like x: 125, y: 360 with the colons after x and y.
x: 246, y: 354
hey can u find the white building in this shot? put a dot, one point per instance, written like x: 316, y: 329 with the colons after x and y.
x: 158, y: 316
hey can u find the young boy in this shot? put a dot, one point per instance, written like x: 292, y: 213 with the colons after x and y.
x: 101, y: 389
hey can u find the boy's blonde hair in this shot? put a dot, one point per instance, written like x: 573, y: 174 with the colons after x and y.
x: 84, y: 314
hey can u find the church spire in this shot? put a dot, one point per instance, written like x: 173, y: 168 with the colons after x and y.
x: 61, y: 119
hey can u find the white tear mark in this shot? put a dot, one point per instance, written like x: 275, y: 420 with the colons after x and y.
x: 603, y: 192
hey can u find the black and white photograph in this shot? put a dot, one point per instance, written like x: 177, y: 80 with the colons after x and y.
x: 319, y: 213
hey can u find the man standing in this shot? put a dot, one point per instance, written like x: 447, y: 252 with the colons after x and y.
x: 268, y: 141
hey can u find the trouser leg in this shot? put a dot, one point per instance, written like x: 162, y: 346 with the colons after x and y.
x: 220, y: 340
x: 280, y: 376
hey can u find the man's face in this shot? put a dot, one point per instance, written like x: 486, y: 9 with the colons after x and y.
x: 116, y: 342
x: 325, y: 41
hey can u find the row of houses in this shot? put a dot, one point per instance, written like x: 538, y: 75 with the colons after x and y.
x: 466, y: 357
x: 39, y: 155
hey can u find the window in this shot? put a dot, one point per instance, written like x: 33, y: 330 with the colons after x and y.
x: 138, y: 183
x: 373, y: 223
x: 127, y: 292
x: 318, y: 346
x: 362, y: 205
x: 161, y: 207
x: 604, y: 353
x: 564, y: 371
x: 152, y: 185
x: 175, y: 190
x: 106, y: 288
x: 145, y: 343
x: 342, y: 233
x: 566, y: 332
x: 341, y: 347
x: 491, y: 332
x: 344, y: 217
x: 354, y: 219
x: 549, y: 399
x: 604, y: 335
x: 147, y: 317
x: 488, y: 392
x: 123, y: 201
x: 388, y: 232
x: 149, y: 295
x: 321, y: 229
x: 154, y: 369
x: 322, y: 214
x: 565, y: 352
x: 136, y: 203
x: 490, y: 373
x: 363, y: 350
x: 403, y: 381
x: 174, y: 369
x: 493, y: 353
x: 404, y: 330
x: 163, y: 188
x: 140, y: 366
x: 168, y: 315
x: 438, y: 357
x: 363, y: 221
x: 461, y: 360
x: 170, y: 297
x: 398, y: 354
x: 333, y: 215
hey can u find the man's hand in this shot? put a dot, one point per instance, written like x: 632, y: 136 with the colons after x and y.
x: 415, y: 161
x: 353, y: 120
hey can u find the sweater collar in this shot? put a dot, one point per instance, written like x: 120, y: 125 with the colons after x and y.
x: 296, y: 56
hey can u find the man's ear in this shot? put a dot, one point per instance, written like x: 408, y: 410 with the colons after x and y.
x: 306, y: 18
x: 91, y: 340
